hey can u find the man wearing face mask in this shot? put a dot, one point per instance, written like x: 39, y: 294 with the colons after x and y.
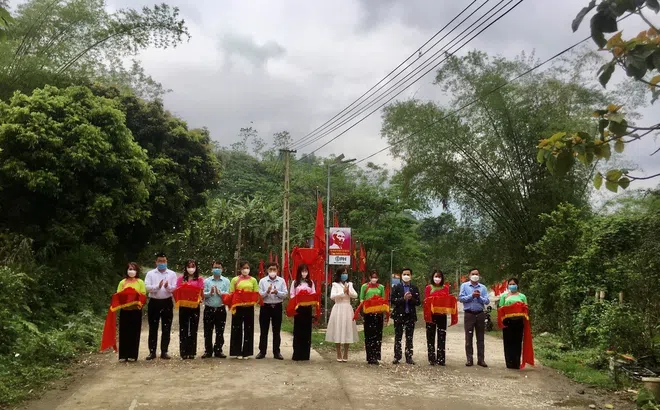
x: 273, y: 291
x: 215, y: 314
x: 404, y: 300
x: 474, y: 297
x: 160, y: 284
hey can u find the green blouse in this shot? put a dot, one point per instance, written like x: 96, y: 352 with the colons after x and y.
x: 367, y: 292
x: 506, y: 299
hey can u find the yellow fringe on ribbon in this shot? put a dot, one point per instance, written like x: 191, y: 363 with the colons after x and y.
x: 233, y: 307
x: 437, y: 310
x: 187, y: 304
x: 377, y: 309
x: 125, y: 305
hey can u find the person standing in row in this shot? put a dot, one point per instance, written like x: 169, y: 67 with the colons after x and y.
x: 160, y: 284
x: 438, y: 324
x: 273, y: 291
x: 302, y: 321
x: 130, y: 318
x: 512, y: 333
x: 215, y: 314
x: 474, y: 297
x: 342, y: 329
x: 404, y: 299
x: 373, y: 322
x: 241, y: 345
x: 189, y: 315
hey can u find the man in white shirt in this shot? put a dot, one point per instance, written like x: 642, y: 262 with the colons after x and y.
x: 160, y: 284
x: 273, y: 291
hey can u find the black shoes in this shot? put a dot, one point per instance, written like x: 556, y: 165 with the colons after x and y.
x: 151, y: 356
x: 278, y: 356
x: 221, y: 355
x: 260, y: 356
x: 165, y: 356
x: 396, y: 361
x: 207, y: 355
x: 410, y: 361
x: 482, y: 364
x: 469, y: 364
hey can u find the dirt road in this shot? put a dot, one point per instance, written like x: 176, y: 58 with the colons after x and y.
x: 322, y: 383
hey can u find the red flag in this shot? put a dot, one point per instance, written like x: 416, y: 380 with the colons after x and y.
x: 336, y: 220
x: 387, y: 292
x: 261, y: 269
x: 363, y: 259
x: 270, y: 257
x: 311, y: 257
x: 353, y: 257
x: 319, y: 229
x: 285, y: 268
x: 277, y: 259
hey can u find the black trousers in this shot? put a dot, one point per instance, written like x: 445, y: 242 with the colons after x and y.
x: 242, y: 332
x: 302, y: 333
x: 474, y: 323
x: 404, y: 323
x: 188, y: 325
x: 214, y: 317
x: 130, y: 327
x: 270, y: 313
x: 513, y: 338
x: 373, y: 336
x: 437, y: 327
x: 160, y: 310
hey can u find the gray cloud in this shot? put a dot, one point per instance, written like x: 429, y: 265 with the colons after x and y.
x: 237, y: 45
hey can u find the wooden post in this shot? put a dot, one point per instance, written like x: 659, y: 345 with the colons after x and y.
x: 621, y: 298
x: 602, y: 295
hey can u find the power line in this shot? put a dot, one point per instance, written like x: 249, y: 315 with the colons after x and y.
x: 415, y: 53
x: 476, y: 100
x: 428, y: 71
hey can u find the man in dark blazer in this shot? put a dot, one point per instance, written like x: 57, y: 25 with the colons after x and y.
x: 404, y: 300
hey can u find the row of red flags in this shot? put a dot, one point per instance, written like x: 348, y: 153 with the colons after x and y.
x: 500, y: 288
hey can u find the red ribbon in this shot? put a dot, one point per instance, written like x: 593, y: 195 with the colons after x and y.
x: 441, y: 305
x: 188, y: 295
x: 304, y: 298
x: 375, y: 304
x: 241, y: 298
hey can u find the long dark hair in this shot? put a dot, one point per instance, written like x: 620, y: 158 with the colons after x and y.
x: 299, y: 278
x: 186, y: 275
x: 442, y: 275
x: 339, y: 272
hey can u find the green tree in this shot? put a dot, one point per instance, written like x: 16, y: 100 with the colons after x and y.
x: 66, y: 43
x: 639, y: 57
x: 483, y: 158
x: 71, y: 170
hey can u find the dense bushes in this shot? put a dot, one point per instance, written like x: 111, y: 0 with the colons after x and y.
x: 579, y: 255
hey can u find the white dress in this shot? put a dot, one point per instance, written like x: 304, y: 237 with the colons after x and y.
x: 341, y: 326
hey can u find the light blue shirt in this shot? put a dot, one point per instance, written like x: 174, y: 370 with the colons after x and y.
x: 221, y: 284
x: 471, y: 303
x: 278, y: 283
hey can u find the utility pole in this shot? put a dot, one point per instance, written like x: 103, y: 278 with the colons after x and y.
x: 238, y: 245
x: 285, y: 211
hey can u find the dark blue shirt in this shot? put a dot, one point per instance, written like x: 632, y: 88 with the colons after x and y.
x: 406, y: 289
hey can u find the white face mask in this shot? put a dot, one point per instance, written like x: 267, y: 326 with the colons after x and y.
x: 304, y: 274
x: 406, y: 278
x: 374, y: 280
x: 474, y: 278
x: 437, y: 280
x: 245, y: 272
x: 272, y: 275
x: 191, y: 270
x: 131, y: 273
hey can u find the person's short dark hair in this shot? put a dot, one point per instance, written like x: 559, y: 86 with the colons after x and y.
x: 373, y: 272
x: 514, y: 280
x: 442, y: 275
x: 161, y: 255
x: 271, y: 264
x: 243, y: 263
x: 339, y: 272
x: 407, y: 269
x: 134, y: 266
x: 473, y: 269
x: 216, y: 262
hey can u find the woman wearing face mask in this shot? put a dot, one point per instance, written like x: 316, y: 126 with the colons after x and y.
x: 514, y: 327
x: 241, y: 345
x: 373, y: 322
x: 189, y: 312
x: 130, y: 318
x: 342, y: 329
x: 302, y: 320
x: 437, y: 323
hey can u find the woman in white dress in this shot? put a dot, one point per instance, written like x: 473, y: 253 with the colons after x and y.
x: 341, y: 327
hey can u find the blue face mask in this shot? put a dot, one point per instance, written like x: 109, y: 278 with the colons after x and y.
x: 217, y: 271
x: 344, y: 277
x: 513, y: 288
x: 395, y: 281
x: 162, y: 266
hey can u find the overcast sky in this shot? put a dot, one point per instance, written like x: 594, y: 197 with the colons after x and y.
x: 292, y: 64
